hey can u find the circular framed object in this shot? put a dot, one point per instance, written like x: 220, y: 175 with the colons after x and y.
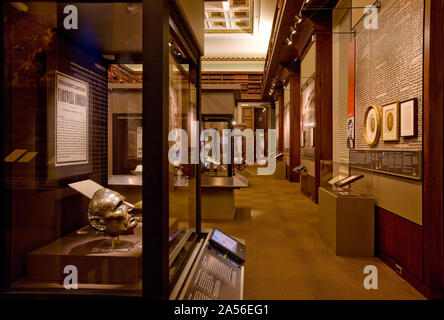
x: 372, y: 125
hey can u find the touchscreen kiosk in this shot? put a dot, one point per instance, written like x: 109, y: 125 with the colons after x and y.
x: 227, y: 245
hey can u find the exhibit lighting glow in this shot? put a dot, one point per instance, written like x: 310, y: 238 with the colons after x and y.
x: 226, y: 5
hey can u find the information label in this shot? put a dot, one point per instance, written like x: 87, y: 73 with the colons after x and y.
x: 71, y: 107
x: 405, y: 164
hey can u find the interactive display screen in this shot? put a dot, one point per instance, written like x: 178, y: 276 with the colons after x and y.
x: 225, y: 241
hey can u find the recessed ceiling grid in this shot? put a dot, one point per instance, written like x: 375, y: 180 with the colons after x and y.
x: 233, y: 16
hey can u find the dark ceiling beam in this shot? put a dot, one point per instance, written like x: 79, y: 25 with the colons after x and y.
x: 281, y: 57
x: 281, y: 25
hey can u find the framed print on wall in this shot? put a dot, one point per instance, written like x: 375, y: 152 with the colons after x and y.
x: 409, y: 117
x: 390, y: 122
x: 351, y: 133
x: 372, y: 125
x: 312, y: 137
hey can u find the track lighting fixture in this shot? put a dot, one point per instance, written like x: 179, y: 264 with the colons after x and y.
x: 293, y: 30
x: 289, y: 41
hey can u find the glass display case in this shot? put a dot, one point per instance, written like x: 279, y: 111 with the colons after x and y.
x: 346, y: 178
x: 93, y: 204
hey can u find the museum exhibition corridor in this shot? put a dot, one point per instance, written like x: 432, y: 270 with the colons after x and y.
x: 200, y: 151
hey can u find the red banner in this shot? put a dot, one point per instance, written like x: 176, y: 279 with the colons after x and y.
x: 351, y: 95
x: 351, y: 78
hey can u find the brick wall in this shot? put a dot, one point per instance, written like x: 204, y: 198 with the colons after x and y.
x: 389, y: 66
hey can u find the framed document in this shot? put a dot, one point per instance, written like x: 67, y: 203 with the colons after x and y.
x: 302, y: 139
x: 71, y: 120
x: 390, y: 122
x: 372, y: 125
x: 348, y: 181
x: 409, y: 117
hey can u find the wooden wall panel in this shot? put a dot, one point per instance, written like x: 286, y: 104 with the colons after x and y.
x: 308, y: 186
x: 401, y: 240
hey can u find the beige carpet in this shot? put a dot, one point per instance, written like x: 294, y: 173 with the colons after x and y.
x: 287, y: 259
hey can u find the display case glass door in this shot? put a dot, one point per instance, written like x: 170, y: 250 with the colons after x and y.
x: 182, y: 168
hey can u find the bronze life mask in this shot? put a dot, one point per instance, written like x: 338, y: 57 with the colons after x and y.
x: 108, y: 213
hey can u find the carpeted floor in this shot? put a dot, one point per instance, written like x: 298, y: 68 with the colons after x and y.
x: 287, y: 259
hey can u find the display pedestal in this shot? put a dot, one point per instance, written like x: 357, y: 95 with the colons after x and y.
x: 347, y: 222
x: 218, y: 203
x: 92, y: 253
x: 217, y: 196
x: 113, y: 244
x: 281, y: 168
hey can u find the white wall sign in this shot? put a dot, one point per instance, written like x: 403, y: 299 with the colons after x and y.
x: 71, y: 108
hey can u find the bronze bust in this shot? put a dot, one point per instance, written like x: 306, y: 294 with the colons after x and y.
x: 109, y: 213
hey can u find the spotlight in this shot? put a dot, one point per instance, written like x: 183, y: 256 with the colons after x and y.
x: 292, y: 30
x: 20, y: 6
x: 289, y: 41
x: 135, y: 8
x: 307, y: 1
x: 298, y: 19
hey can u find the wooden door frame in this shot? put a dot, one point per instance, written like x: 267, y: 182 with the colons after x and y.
x: 433, y: 217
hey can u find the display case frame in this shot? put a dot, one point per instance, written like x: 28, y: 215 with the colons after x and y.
x: 162, y: 19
